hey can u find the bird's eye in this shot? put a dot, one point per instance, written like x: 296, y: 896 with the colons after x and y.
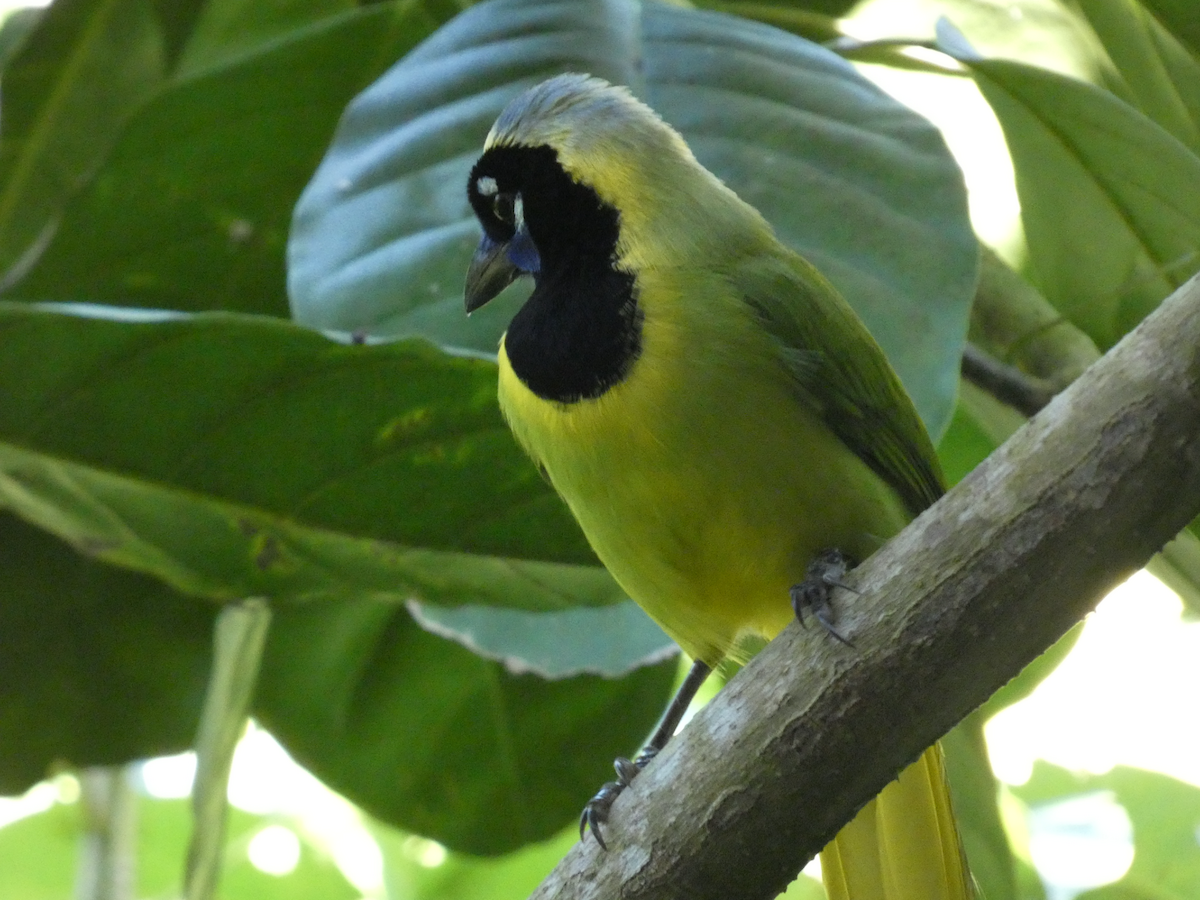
x: 502, y: 208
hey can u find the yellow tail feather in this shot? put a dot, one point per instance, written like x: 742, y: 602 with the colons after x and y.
x: 903, y: 845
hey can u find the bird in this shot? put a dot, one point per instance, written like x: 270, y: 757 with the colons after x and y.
x: 721, y: 424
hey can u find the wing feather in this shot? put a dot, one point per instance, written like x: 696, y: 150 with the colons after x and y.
x: 839, y: 371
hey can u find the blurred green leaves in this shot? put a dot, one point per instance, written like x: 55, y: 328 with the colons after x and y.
x: 1111, y: 203
x: 1162, y: 810
x: 46, y: 844
x: 1110, y: 200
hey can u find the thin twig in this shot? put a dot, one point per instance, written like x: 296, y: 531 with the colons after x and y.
x: 1008, y: 384
x: 107, y: 857
x: 239, y: 636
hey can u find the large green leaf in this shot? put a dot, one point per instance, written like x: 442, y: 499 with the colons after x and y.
x: 431, y: 737
x: 173, y: 445
x: 97, y: 665
x: 227, y: 29
x: 609, y: 640
x: 1179, y: 17
x: 177, y: 20
x: 1110, y: 201
x: 235, y: 456
x: 977, y: 816
x: 191, y: 208
x: 826, y: 8
x: 86, y: 65
x: 860, y: 184
x: 1162, y: 76
x: 808, y: 21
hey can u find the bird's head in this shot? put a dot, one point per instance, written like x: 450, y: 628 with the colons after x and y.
x: 568, y: 174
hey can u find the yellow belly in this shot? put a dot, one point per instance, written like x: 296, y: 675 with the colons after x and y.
x: 701, y: 481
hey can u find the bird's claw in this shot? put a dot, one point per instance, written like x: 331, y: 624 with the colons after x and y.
x: 595, y: 811
x: 813, y: 594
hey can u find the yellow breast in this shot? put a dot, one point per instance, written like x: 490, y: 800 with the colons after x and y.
x: 701, y: 481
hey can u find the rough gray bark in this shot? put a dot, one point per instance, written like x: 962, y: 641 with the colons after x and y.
x: 952, y: 608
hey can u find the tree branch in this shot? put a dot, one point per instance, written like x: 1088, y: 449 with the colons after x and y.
x: 952, y: 608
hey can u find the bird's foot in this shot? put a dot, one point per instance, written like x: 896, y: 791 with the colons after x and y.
x: 595, y: 812
x: 813, y: 594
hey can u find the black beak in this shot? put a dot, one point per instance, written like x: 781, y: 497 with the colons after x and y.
x: 490, y: 273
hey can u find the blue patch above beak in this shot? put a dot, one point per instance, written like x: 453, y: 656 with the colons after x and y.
x: 522, y: 253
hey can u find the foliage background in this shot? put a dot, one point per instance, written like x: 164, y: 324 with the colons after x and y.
x: 171, y: 442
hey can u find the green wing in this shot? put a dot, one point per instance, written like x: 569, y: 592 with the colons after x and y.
x: 842, y: 373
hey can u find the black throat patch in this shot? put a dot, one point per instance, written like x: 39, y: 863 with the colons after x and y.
x: 579, y: 333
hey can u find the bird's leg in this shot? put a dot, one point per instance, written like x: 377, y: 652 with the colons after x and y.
x: 824, y: 573
x: 596, y: 810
